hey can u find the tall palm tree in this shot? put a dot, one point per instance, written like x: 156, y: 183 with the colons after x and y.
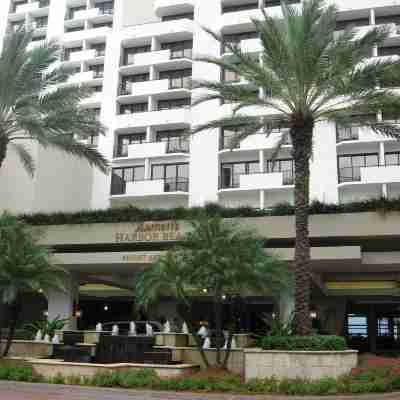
x: 24, y: 267
x: 37, y: 104
x: 306, y: 73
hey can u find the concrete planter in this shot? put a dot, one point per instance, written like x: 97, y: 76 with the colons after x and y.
x: 171, y: 339
x: 311, y: 365
x: 28, y: 348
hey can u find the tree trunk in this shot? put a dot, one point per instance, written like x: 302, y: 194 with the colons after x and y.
x: 15, y: 311
x: 302, y: 146
x: 186, y: 314
x: 218, y: 323
x: 3, y: 148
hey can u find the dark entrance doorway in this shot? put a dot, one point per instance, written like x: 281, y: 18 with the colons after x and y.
x: 374, y: 327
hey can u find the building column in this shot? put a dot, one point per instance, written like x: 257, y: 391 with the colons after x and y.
x: 372, y: 327
x: 372, y: 16
x: 61, y: 303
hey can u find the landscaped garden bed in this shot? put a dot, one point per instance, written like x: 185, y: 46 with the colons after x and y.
x: 376, y: 375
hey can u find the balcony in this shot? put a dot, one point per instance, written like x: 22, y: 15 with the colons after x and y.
x: 251, y: 45
x: 177, y: 116
x: 231, y: 20
x: 369, y: 175
x: 27, y: 7
x: 154, y: 87
x: 81, y: 77
x: 158, y: 149
x: 345, y: 134
x: 94, y: 33
x: 259, y: 181
x: 168, y: 7
x: 92, y: 13
x: 157, y: 187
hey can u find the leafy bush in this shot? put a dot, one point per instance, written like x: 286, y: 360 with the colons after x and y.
x: 20, y: 374
x: 304, y: 343
x: 134, y: 214
x: 45, y: 326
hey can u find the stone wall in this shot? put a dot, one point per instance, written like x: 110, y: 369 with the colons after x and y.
x: 27, y: 348
x: 298, y: 364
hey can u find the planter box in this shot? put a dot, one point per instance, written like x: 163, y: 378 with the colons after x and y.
x: 171, y: 339
x: 27, y: 348
x: 311, y: 365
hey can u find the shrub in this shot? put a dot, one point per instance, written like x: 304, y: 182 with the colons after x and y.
x: 304, y: 343
x: 140, y: 378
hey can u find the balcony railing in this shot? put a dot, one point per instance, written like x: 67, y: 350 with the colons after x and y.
x: 178, y: 145
x: 177, y: 184
x: 126, y: 89
x: 106, y: 10
x: 352, y: 174
x: 234, y: 181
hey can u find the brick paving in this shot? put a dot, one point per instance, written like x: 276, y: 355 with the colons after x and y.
x: 32, y: 391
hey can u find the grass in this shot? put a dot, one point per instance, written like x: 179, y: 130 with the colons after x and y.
x: 365, y: 379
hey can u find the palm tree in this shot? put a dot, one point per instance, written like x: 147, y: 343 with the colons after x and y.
x: 37, y: 105
x: 24, y: 267
x: 221, y: 258
x: 306, y: 73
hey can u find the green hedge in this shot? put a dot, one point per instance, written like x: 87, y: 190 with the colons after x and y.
x: 304, y: 343
x: 133, y: 214
x: 372, y: 380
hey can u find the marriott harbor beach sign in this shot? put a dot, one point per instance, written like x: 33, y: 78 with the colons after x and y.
x: 151, y: 232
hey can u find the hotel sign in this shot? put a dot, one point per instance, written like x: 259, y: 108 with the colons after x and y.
x: 141, y: 258
x: 151, y: 232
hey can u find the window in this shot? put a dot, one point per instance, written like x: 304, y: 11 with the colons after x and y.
x: 351, y: 23
x: 41, y: 22
x: 230, y: 172
x: 173, y: 103
x: 226, y: 136
x: 240, y: 7
x: 129, y: 53
x: 230, y: 76
x: 124, y: 141
x: 98, y: 70
x: 126, y: 82
x: 178, y: 79
x: 392, y: 158
x: 16, y: 26
x: 182, y: 49
x: 106, y: 7
x: 350, y: 165
x: 389, y: 51
x: 75, y: 29
x: 346, y: 133
x: 236, y: 38
x: 391, y: 117
x: 387, y: 19
x: 44, y: 3
x: 98, y: 88
x: 133, y: 108
x: 71, y: 12
x: 38, y: 38
x: 122, y: 175
x: 69, y: 50
x: 176, y: 141
x: 175, y: 176
x: 100, y: 49
x: 274, y: 3
x: 102, y: 25
x: 285, y: 166
x: 177, y: 16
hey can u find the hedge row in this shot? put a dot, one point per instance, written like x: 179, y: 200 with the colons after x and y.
x: 376, y: 380
x: 304, y: 343
x: 134, y: 214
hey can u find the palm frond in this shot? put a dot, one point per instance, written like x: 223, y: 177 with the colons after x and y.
x: 25, y: 157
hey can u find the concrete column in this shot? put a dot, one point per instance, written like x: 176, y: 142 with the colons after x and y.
x: 153, y: 73
x: 155, y: 45
x: 147, y: 168
x: 372, y: 16
x: 381, y: 153
x: 61, y: 303
x: 262, y: 199
x: 261, y: 157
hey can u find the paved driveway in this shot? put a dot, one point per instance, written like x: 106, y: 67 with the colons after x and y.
x: 31, y: 391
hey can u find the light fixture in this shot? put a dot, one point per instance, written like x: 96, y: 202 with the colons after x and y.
x: 224, y: 297
x: 204, y: 290
x: 105, y: 308
x: 40, y: 290
x: 313, y: 314
x: 46, y: 313
x: 78, y: 313
x: 273, y: 315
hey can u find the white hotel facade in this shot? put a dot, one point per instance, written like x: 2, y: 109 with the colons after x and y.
x: 140, y: 58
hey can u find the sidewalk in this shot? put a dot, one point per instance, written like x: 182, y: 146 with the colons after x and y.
x: 34, y: 391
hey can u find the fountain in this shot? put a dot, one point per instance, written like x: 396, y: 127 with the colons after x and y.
x: 207, y: 343
x: 115, y: 330
x: 56, y: 339
x: 132, y: 329
x: 185, y: 329
x: 149, y: 329
x: 203, y: 331
x: 99, y: 327
x: 46, y: 338
x: 39, y: 336
x: 167, y: 327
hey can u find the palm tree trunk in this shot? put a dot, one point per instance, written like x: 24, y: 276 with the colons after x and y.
x: 302, y: 146
x: 3, y: 148
x: 218, y: 323
x: 15, y: 311
x: 186, y: 315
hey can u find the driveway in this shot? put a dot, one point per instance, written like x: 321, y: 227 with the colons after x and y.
x: 34, y: 391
